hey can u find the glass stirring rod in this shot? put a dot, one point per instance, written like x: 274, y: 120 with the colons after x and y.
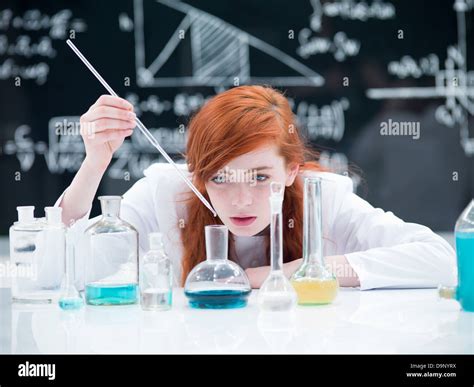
x: 142, y: 128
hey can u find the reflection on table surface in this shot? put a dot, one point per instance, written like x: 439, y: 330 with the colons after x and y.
x: 375, y: 321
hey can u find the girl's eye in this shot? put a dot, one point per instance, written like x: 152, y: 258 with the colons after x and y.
x: 219, y: 179
x: 262, y: 177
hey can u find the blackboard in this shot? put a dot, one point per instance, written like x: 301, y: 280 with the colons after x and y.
x: 385, y: 89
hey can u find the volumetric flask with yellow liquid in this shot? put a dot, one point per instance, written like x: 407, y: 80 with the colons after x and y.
x: 314, y: 284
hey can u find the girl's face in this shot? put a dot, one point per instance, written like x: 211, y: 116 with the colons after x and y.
x: 239, y: 192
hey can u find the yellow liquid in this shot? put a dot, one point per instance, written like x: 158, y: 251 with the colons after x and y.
x: 315, y: 292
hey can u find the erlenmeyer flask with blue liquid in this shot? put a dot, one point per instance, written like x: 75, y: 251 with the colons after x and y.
x: 464, y: 234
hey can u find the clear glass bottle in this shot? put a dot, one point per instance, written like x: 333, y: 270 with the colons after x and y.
x: 314, y: 284
x: 111, y: 265
x: 23, y: 238
x: 51, y: 253
x: 464, y: 234
x: 37, y: 250
x: 276, y: 293
x: 217, y: 283
x: 156, y: 276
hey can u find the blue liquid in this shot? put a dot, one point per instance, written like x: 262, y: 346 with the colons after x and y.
x: 465, y: 254
x: 218, y: 299
x: 123, y: 294
x: 70, y: 303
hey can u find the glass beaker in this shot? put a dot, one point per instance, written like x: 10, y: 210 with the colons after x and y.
x: 464, y: 234
x: 276, y: 293
x: 111, y: 265
x: 217, y: 283
x: 156, y: 276
x: 314, y: 284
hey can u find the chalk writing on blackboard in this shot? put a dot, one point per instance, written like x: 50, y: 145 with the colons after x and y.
x: 27, y: 42
x: 23, y: 147
x: 322, y: 122
x: 64, y: 151
x: 339, y: 45
x: 454, y: 82
x: 407, y: 66
x: 230, y: 49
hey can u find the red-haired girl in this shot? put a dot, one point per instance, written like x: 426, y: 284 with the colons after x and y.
x: 251, y: 131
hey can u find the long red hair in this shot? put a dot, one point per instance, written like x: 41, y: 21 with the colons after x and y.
x: 229, y: 125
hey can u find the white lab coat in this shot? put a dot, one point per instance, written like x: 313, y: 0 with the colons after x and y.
x: 384, y: 251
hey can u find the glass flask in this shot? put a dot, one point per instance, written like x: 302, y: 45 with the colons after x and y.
x: 69, y: 298
x: 464, y: 234
x: 217, y: 283
x: 314, y: 284
x: 156, y: 276
x: 276, y: 293
x: 111, y: 265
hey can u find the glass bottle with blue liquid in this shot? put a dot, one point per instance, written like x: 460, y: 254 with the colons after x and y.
x: 111, y: 264
x: 217, y: 283
x: 464, y: 234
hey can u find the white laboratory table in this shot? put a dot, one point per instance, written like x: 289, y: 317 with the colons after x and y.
x: 359, y: 322
x: 402, y: 321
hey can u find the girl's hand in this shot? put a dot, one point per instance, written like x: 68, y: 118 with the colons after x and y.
x: 104, y: 128
x: 337, y: 264
x: 257, y: 275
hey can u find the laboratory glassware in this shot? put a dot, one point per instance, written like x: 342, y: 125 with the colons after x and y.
x: 276, y: 293
x: 37, y: 249
x: 111, y: 264
x: 217, y: 283
x: 464, y: 234
x: 156, y: 276
x: 70, y: 298
x: 314, y: 284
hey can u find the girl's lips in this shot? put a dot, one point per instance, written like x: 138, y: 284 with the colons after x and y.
x: 243, y: 221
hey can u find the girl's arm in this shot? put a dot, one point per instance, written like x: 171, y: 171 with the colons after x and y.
x: 103, y: 129
x: 387, y: 252
x: 78, y: 197
x: 338, y: 264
